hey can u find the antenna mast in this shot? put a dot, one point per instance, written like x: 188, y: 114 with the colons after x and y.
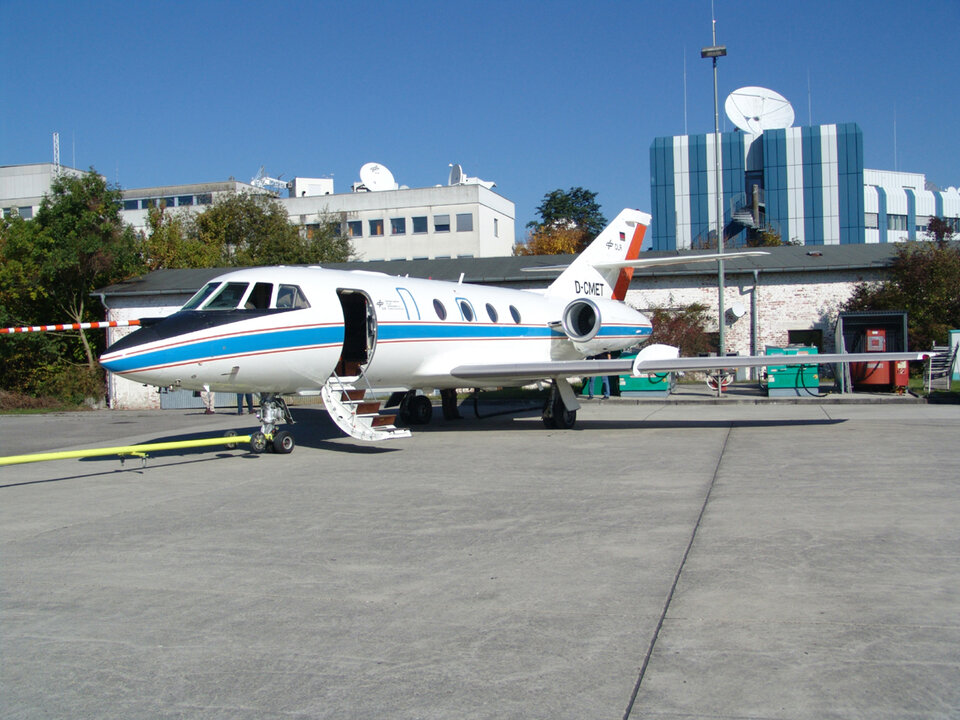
x: 56, y: 153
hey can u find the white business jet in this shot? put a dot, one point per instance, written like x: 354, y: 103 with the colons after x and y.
x: 352, y: 334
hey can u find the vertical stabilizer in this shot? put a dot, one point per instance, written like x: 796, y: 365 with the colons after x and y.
x: 620, y: 240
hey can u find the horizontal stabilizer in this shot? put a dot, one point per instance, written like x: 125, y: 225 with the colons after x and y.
x: 649, y: 262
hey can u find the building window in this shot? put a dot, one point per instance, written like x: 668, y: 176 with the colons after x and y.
x: 464, y: 222
x: 376, y: 228
x: 896, y: 222
x: 26, y: 213
x: 441, y: 223
x: 398, y: 226
x: 184, y: 200
x: 354, y: 228
x: 205, y: 199
x: 496, y: 227
x: 131, y: 204
x: 419, y: 224
x: 870, y: 221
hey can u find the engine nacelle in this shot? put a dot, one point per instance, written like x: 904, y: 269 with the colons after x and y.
x: 581, y: 320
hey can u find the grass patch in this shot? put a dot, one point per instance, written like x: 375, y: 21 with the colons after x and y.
x: 19, y: 403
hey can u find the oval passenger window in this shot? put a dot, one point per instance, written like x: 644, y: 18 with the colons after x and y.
x: 516, y: 314
x: 440, y: 309
x: 492, y: 312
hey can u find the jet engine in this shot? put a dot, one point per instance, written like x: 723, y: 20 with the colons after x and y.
x: 581, y: 320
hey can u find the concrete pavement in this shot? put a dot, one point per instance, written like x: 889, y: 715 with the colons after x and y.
x: 658, y: 561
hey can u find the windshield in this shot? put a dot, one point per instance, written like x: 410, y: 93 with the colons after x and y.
x: 202, y: 294
x: 229, y: 296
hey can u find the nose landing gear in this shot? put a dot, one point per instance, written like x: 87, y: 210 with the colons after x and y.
x: 273, y: 412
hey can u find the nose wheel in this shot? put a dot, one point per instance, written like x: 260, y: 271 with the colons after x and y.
x: 273, y: 412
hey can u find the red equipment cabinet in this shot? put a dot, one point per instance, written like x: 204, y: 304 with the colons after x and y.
x: 885, y: 374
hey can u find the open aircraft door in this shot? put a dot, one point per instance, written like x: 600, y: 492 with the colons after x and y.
x: 359, y: 331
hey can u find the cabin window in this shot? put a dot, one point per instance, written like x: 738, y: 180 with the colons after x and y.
x: 259, y: 297
x: 229, y: 296
x: 291, y: 297
x: 466, y: 310
x: 201, y: 295
x: 492, y: 312
x: 515, y: 314
x: 440, y: 309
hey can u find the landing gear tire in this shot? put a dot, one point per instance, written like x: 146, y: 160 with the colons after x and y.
x: 415, y: 409
x: 556, y: 416
x: 283, y: 442
x: 421, y: 410
x: 258, y: 442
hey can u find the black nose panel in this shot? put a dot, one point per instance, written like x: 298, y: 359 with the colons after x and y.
x: 182, y: 323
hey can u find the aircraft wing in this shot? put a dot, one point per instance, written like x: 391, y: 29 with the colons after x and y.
x: 583, y: 368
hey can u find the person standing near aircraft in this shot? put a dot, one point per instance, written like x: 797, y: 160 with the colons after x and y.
x: 240, y: 397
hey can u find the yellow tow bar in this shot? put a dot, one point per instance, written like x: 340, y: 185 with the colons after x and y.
x: 125, y: 450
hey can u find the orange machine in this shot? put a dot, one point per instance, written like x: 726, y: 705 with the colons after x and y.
x: 874, y: 376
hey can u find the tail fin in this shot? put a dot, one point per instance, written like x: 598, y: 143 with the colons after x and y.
x: 619, y: 241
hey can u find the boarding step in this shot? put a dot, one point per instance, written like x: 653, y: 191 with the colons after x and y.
x: 357, y: 415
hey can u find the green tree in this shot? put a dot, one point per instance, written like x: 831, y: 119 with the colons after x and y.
x: 924, y: 280
x: 574, y: 208
x: 171, y: 242
x: 49, y: 266
x: 246, y: 229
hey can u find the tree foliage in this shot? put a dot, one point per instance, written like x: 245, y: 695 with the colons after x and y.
x: 241, y: 230
x: 682, y: 327
x: 553, y: 241
x: 49, y: 265
x: 925, y: 281
x: 576, y: 208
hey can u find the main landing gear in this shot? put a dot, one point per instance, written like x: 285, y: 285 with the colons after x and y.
x: 415, y: 409
x: 273, y: 412
x: 555, y: 413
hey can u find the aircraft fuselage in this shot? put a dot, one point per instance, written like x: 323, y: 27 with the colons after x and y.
x: 244, y: 333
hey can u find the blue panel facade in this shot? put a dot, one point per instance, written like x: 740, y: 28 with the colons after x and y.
x: 775, y: 180
x: 829, y: 198
x: 911, y: 214
x: 850, y: 182
x: 882, y: 213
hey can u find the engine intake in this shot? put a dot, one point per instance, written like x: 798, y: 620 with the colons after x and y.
x: 581, y: 320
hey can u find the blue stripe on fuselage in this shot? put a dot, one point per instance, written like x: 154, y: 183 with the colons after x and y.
x: 252, y: 343
x: 248, y: 343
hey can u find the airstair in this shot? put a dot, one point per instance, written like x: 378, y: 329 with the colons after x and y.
x: 351, y: 403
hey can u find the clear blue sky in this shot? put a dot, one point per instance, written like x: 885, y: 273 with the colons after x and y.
x: 532, y: 95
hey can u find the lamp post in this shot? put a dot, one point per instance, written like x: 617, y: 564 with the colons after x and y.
x: 713, y: 52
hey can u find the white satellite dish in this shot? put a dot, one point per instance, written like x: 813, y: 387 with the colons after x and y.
x: 456, y: 175
x: 375, y: 176
x: 755, y: 109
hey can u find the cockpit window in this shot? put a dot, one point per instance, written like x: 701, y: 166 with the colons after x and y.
x: 202, y: 294
x: 291, y: 296
x: 228, y: 298
x: 259, y: 297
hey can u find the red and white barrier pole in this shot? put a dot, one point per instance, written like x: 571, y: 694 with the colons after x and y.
x: 69, y: 326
